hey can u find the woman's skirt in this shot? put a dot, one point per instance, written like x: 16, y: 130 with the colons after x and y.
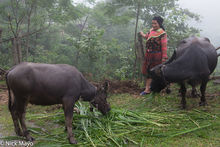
x: 151, y: 60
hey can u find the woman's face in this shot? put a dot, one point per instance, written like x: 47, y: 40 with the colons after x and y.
x: 155, y: 25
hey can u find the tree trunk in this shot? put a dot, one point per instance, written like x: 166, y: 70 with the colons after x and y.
x: 28, y: 38
x: 28, y: 30
x: 135, y: 38
x: 19, y: 50
x: 140, y: 53
x: 80, y: 35
x: 17, y: 54
x: 140, y: 50
x: 35, y: 46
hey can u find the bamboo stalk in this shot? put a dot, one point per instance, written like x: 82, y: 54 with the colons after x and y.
x: 188, y: 131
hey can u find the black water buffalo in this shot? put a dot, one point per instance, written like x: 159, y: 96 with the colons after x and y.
x: 48, y: 84
x: 193, y: 61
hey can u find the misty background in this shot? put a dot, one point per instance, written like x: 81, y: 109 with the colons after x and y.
x: 209, y: 14
x: 208, y: 10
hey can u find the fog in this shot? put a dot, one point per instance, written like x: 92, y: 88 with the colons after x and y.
x: 209, y: 10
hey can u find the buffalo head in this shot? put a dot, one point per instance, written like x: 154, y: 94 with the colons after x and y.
x: 157, y: 73
x: 158, y: 82
x: 100, y: 101
x: 158, y: 78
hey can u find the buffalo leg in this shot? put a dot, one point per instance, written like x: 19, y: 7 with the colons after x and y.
x: 183, y: 94
x: 202, y: 89
x: 194, y: 92
x: 14, y: 115
x: 22, y: 112
x: 65, y: 130
x: 68, y: 105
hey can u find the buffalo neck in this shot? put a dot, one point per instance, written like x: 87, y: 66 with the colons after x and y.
x: 88, y: 90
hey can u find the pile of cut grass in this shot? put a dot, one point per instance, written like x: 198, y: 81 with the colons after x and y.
x: 120, y: 127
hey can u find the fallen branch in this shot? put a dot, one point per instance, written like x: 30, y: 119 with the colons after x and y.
x: 218, y: 48
x: 2, y: 70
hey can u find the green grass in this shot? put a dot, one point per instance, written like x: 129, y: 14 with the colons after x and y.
x: 153, y: 120
x: 2, y: 82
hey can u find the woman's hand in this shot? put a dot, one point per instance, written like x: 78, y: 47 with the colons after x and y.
x: 142, y: 34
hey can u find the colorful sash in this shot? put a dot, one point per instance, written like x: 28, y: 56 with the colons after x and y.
x: 155, y: 34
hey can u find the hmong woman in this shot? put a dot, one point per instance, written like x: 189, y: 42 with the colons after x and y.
x: 156, y: 49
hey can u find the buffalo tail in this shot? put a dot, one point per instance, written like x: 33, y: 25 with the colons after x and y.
x: 9, y: 92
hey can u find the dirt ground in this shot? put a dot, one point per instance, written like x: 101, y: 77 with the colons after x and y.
x: 124, y: 87
x: 3, y: 95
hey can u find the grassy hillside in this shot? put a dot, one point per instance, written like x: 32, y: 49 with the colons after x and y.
x: 153, y: 120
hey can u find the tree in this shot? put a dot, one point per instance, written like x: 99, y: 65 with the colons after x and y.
x: 27, y: 17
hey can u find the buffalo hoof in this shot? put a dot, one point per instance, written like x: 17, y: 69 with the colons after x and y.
x: 29, y: 138
x: 183, y: 107
x: 72, y: 140
x: 202, y: 104
x: 19, y: 133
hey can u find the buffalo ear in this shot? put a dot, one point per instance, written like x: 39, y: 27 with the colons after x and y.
x: 156, y: 71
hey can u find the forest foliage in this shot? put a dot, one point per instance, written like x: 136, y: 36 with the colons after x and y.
x: 98, y: 37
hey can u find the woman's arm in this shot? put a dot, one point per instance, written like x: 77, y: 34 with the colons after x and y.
x: 144, y: 35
